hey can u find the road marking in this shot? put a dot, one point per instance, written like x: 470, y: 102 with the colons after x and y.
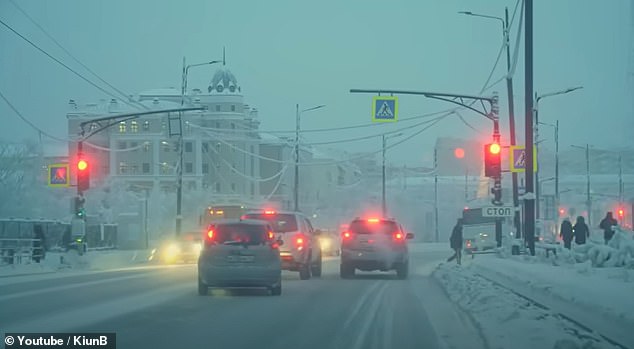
x: 372, y: 311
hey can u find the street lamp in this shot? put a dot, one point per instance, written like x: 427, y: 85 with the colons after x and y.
x: 383, y: 203
x: 509, y: 88
x: 536, y: 120
x: 179, y: 169
x: 298, y: 114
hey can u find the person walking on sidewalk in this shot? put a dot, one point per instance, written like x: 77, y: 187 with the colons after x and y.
x: 455, y: 241
x: 566, y: 232
x: 607, y: 224
x: 581, y: 231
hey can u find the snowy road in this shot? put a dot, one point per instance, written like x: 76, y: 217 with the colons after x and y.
x: 158, y: 307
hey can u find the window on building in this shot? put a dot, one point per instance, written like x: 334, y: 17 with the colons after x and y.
x: 166, y: 146
x: 189, y: 147
x: 205, y: 147
x: 123, y: 168
x: 146, y: 147
x: 134, y: 145
x: 205, y: 168
x: 217, y: 107
x: 121, y: 145
x: 163, y: 125
x: 189, y: 167
x: 233, y: 107
x: 146, y: 125
x: 122, y: 127
x: 165, y: 168
x: 217, y: 187
x: 233, y: 187
x: 146, y: 167
x: 188, y: 127
x: 134, y: 127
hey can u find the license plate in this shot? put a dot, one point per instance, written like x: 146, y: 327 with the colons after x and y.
x: 240, y: 259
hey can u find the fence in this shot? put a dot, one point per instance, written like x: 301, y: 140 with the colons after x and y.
x: 19, y: 251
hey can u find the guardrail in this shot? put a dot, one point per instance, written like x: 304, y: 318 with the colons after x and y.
x: 19, y: 251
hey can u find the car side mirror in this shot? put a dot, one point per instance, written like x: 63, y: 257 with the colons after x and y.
x: 280, y: 242
x: 409, y: 236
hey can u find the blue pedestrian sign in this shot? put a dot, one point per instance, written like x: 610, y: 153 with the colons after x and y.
x: 58, y: 175
x: 384, y: 109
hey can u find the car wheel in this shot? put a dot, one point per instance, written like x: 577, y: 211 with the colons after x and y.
x: 402, y: 270
x: 304, y: 271
x: 276, y: 290
x: 346, y: 271
x: 202, y: 288
x: 316, y: 268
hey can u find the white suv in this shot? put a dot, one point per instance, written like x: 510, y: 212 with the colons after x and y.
x: 300, y: 250
x: 374, y: 244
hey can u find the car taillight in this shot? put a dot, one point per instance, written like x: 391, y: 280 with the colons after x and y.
x: 299, y: 241
x: 270, y: 235
x: 468, y: 243
x: 210, y: 234
x: 398, y: 236
x: 346, y: 235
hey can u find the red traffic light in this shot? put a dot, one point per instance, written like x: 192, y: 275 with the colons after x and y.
x: 620, y: 212
x: 458, y: 153
x: 494, y: 148
x: 82, y: 165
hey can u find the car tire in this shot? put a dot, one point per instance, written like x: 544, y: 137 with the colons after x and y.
x: 304, y: 271
x: 277, y: 290
x: 346, y: 271
x: 203, y: 289
x: 316, y: 268
x: 402, y: 270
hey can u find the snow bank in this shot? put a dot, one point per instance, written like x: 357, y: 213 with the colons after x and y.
x: 507, y: 320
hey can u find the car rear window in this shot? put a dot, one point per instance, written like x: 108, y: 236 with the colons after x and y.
x: 249, y: 234
x: 380, y: 227
x: 280, y: 222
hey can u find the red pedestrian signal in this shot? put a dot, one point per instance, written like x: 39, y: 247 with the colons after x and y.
x: 492, y: 160
x: 83, y: 175
x: 458, y: 153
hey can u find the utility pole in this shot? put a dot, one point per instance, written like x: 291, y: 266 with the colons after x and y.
x: 296, y: 186
x: 529, y: 200
x: 557, y: 165
x: 383, y: 205
x: 436, y: 192
x: 588, y: 201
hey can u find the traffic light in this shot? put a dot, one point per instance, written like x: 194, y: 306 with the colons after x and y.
x: 493, y: 160
x: 80, y: 212
x: 620, y: 213
x: 83, y: 175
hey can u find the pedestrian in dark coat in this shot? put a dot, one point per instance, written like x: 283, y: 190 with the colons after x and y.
x: 607, y: 224
x: 455, y: 241
x: 566, y: 232
x: 581, y: 231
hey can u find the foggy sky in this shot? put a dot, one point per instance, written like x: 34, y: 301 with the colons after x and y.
x: 285, y: 52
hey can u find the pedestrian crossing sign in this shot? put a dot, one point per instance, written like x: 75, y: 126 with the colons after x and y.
x: 517, y: 158
x: 385, y: 109
x: 58, y: 175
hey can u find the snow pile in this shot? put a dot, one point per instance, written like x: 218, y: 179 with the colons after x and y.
x: 507, y: 320
x: 619, y: 252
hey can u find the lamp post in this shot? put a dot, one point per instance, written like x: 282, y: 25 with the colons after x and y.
x: 298, y: 114
x: 383, y: 202
x: 179, y: 169
x: 509, y: 88
x: 588, y: 201
x: 536, y: 124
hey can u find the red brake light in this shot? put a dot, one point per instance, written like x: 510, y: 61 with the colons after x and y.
x: 210, y: 234
x: 270, y: 235
x: 346, y: 235
x: 299, y: 241
x: 244, y: 217
x: 269, y: 212
x: 373, y: 220
x: 399, y: 236
x: 275, y: 245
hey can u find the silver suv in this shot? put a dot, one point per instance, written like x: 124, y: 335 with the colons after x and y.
x: 239, y: 253
x: 374, y: 244
x: 300, y: 250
